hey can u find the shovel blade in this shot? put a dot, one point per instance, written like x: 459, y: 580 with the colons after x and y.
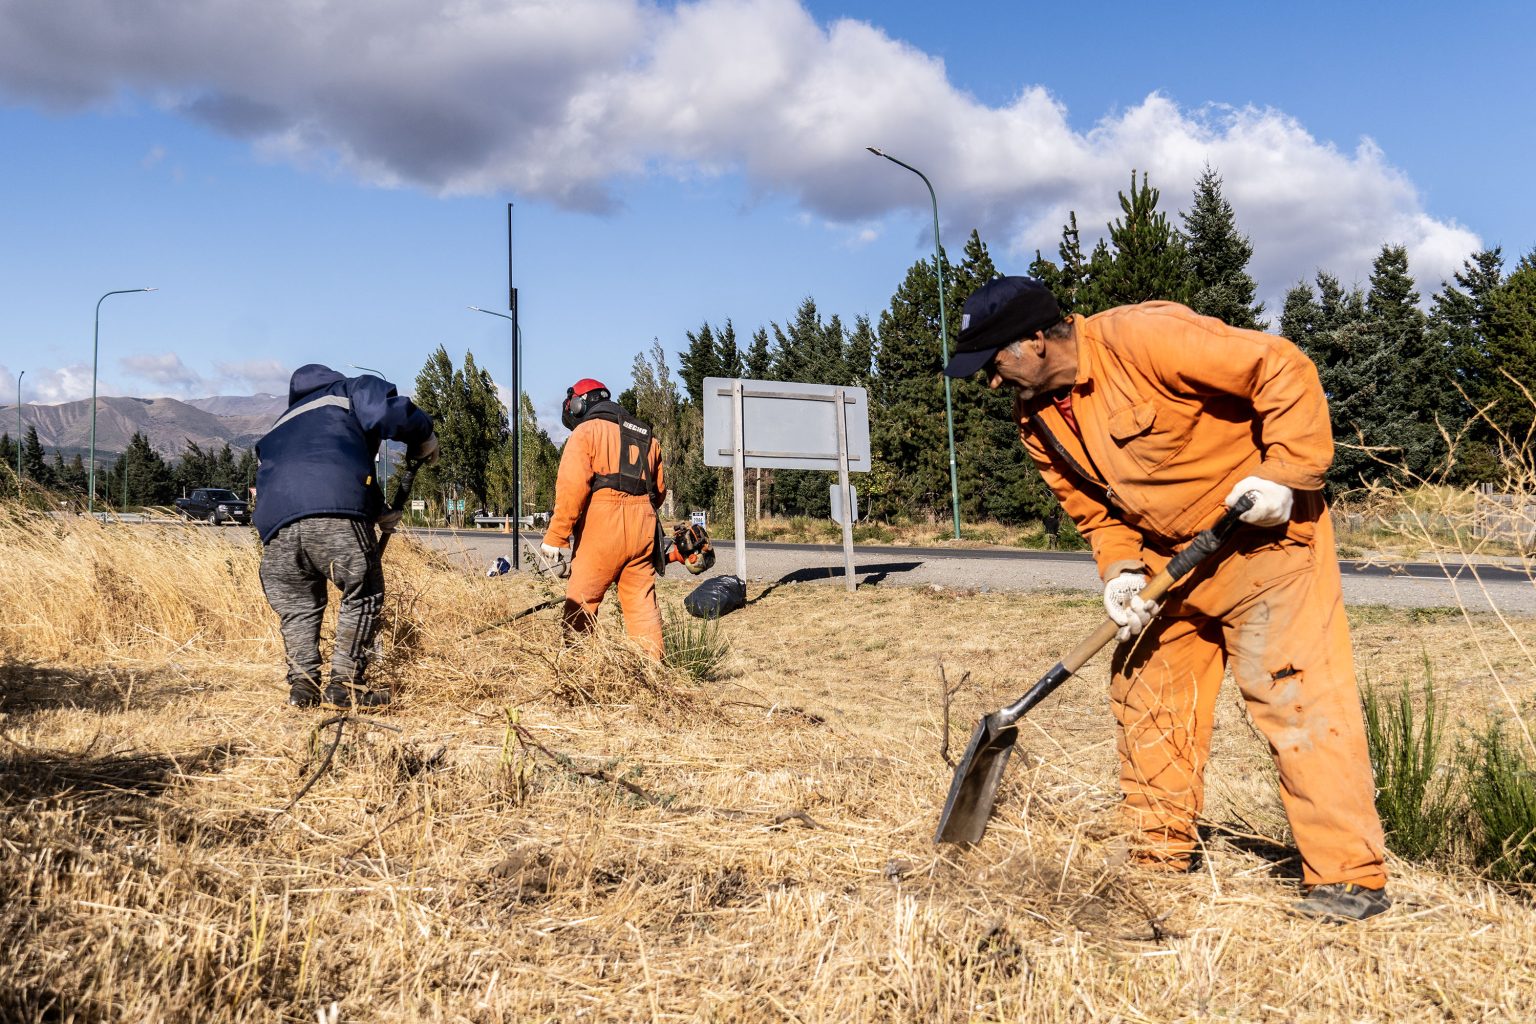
x: 974, y: 787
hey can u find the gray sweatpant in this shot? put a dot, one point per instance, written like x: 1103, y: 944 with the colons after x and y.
x: 295, y: 566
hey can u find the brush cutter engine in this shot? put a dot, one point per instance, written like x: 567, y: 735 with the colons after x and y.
x: 690, y: 546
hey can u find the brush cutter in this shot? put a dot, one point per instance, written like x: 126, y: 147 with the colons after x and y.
x: 974, y: 788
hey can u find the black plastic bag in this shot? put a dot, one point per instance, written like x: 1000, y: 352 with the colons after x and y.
x: 715, y: 597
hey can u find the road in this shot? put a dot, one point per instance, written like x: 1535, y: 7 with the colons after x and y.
x: 1406, y: 585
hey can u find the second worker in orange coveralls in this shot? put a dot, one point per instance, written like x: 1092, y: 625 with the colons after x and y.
x: 606, y: 495
x: 1144, y: 420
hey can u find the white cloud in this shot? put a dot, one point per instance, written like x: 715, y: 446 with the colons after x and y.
x: 565, y: 101
x: 258, y: 376
x: 50, y: 386
x: 166, y: 372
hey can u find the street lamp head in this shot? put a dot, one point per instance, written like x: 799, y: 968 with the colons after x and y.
x: 149, y: 289
x: 875, y: 151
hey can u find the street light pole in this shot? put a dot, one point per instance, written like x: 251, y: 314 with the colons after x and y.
x: 938, y: 266
x: 517, y: 432
x: 90, y: 501
x: 383, y: 442
x: 20, y: 375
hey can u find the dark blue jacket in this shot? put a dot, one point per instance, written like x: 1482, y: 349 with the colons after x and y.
x: 318, y: 457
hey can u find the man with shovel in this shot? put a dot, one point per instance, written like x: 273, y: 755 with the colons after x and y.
x: 318, y: 504
x: 1145, y: 421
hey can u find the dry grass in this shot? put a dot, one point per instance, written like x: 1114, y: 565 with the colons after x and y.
x: 549, y: 833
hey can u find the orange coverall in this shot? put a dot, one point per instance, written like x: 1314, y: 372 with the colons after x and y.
x: 613, y: 533
x: 1172, y: 409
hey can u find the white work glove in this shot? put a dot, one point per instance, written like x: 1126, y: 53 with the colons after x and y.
x: 426, y: 451
x: 389, y: 522
x: 1271, y: 501
x: 555, y: 560
x: 1123, y: 602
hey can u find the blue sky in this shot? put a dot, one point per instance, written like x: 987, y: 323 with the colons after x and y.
x: 329, y: 182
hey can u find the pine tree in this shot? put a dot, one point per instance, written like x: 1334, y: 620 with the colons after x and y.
x: 700, y: 360
x: 1328, y: 326
x: 1510, y: 381
x: 758, y: 362
x: 34, y: 463
x: 728, y: 358
x: 1460, y: 319
x: 141, y: 477
x: 1149, y: 260
x: 1218, y: 259
x: 997, y: 478
x: 911, y: 449
x: 1414, y: 382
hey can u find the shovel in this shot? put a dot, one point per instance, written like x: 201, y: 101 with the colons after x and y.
x: 974, y: 788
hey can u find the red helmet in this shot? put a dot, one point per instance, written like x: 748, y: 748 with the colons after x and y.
x: 579, y: 399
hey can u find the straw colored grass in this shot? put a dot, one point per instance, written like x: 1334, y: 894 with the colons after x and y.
x: 543, y: 832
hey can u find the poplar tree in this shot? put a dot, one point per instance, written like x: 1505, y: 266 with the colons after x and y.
x: 1218, y: 259
x: 470, y: 422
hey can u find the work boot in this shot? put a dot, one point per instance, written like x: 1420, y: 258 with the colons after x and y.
x: 303, y: 694
x: 1342, y: 901
x: 346, y: 695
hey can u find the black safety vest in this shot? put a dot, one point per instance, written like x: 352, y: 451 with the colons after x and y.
x: 634, y: 475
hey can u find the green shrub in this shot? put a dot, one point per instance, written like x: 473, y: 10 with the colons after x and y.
x: 1502, y: 784
x: 696, y: 646
x: 1419, y: 803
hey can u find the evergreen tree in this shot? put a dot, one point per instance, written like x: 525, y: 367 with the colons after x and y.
x: 1218, y: 258
x: 8, y: 449
x: 1460, y: 319
x: 1414, y: 382
x: 141, y: 477
x: 1327, y: 326
x: 758, y: 362
x: 193, y: 469
x: 1510, y: 380
x: 911, y: 449
x: 224, y: 468
x: 34, y: 462
x: 997, y: 478
x: 1149, y: 258
x: 728, y: 356
x: 245, y: 472
x: 701, y: 359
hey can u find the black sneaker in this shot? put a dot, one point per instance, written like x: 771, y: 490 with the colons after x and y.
x: 1343, y: 901
x: 345, y: 696
x: 303, y: 694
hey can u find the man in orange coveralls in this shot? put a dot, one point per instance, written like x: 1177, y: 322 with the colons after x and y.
x: 1144, y: 420
x: 606, y: 494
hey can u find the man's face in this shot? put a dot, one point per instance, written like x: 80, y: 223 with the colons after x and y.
x: 1020, y: 366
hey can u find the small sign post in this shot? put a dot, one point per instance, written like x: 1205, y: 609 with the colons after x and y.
x: 758, y: 424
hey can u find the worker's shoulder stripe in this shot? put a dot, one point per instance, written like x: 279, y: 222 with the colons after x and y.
x: 318, y: 403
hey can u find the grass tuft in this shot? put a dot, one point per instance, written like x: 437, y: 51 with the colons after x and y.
x: 1416, y: 796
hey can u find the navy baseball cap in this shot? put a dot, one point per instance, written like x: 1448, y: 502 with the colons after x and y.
x: 998, y: 314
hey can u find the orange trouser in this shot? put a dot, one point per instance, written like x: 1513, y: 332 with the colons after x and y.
x: 1274, y: 611
x: 614, y: 541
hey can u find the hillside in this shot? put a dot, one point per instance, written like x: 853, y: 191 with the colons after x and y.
x: 169, y: 423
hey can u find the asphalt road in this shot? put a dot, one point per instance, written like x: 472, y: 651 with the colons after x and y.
x: 1479, y: 587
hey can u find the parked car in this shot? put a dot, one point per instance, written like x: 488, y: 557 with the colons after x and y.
x: 215, y: 505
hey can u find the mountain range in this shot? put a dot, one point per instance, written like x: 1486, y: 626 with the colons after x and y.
x: 169, y: 423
